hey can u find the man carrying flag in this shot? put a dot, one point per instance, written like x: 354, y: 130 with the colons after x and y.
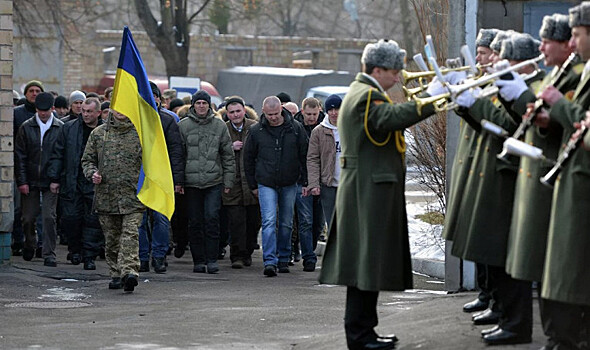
x: 127, y: 160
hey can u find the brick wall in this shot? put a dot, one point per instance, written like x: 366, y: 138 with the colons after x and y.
x: 6, y: 141
x: 210, y: 54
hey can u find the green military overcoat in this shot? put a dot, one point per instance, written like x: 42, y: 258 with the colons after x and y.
x: 460, y: 170
x: 368, y: 244
x: 566, y: 275
x: 482, y: 227
x: 532, y: 201
x: 481, y: 233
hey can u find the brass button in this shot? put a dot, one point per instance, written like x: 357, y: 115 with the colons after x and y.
x: 470, y: 172
x: 521, y: 170
x: 528, y: 174
x: 466, y: 137
x: 342, y: 162
x: 488, y: 149
x: 460, y: 161
x: 481, y: 174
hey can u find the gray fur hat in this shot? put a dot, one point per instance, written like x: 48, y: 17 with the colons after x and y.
x: 485, y: 37
x: 555, y: 27
x: 496, y: 44
x: 384, y: 53
x: 520, y: 47
x: 580, y: 15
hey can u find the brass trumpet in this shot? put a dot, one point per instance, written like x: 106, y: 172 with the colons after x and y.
x: 456, y: 90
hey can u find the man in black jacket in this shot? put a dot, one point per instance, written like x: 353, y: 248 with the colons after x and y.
x: 34, y: 144
x: 160, y: 226
x: 78, y: 221
x: 22, y: 113
x: 274, y: 160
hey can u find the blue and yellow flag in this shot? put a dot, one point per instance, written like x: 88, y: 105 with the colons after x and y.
x: 132, y: 96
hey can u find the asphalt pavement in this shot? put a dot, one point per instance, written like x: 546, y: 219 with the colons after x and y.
x: 69, y: 308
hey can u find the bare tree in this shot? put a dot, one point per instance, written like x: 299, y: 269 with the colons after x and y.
x: 170, y: 34
x: 429, y: 146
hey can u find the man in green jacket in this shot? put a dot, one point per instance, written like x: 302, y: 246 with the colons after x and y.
x: 209, y: 170
x: 368, y: 247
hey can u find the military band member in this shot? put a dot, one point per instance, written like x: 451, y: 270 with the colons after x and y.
x: 566, y: 277
x: 490, y: 315
x: 532, y: 203
x: 368, y: 248
x: 485, y: 222
x: 464, y: 155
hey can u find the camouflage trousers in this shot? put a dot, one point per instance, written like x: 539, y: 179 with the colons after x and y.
x: 121, y: 242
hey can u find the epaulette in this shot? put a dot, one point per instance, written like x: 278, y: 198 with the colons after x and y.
x: 578, y: 68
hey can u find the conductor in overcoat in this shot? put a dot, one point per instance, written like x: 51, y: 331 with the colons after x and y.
x: 368, y: 249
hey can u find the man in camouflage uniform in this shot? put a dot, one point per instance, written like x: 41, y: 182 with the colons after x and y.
x: 112, y: 160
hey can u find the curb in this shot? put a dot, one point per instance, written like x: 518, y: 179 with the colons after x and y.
x: 429, y: 267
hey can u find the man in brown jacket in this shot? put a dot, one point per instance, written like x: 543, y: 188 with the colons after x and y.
x: 242, y: 206
x: 323, y: 165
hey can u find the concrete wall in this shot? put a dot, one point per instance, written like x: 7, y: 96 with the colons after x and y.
x: 6, y: 141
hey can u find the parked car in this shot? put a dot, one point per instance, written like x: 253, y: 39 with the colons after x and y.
x: 322, y: 92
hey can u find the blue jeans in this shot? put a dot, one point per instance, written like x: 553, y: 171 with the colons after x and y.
x: 305, y: 213
x: 273, y: 243
x: 160, y: 229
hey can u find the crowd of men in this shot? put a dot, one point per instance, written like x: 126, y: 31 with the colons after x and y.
x: 236, y: 173
x: 78, y: 163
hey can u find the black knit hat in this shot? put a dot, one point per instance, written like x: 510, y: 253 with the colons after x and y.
x: 284, y: 97
x: 155, y: 89
x: 105, y: 105
x: 201, y: 95
x: 333, y: 101
x: 176, y: 103
x: 44, y: 101
x: 60, y: 102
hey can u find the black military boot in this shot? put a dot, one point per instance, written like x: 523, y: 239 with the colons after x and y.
x: 158, y: 265
x: 144, y: 266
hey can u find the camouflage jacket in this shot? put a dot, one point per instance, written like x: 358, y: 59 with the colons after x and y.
x: 114, y: 150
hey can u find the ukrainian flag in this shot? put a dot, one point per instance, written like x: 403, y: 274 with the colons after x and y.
x: 132, y: 96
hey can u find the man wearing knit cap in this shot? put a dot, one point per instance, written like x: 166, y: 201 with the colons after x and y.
x: 76, y: 99
x: 323, y: 158
x: 482, y: 228
x: 21, y: 114
x: 566, y: 277
x: 532, y: 203
x: 209, y: 171
x: 464, y: 154
x: 34, y: 144
x: 61, y: 106
x: 368, y: 248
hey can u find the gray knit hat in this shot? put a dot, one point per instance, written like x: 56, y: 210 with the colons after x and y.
x: 556, y: 27
x: 384, y: 53
x: 77, y: 95
x: 496, y: 44
x: 580, y: 15
x: 485, y: 37
x: 520, y: 47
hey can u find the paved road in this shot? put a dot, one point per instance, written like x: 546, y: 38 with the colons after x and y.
x: 235, y: 309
